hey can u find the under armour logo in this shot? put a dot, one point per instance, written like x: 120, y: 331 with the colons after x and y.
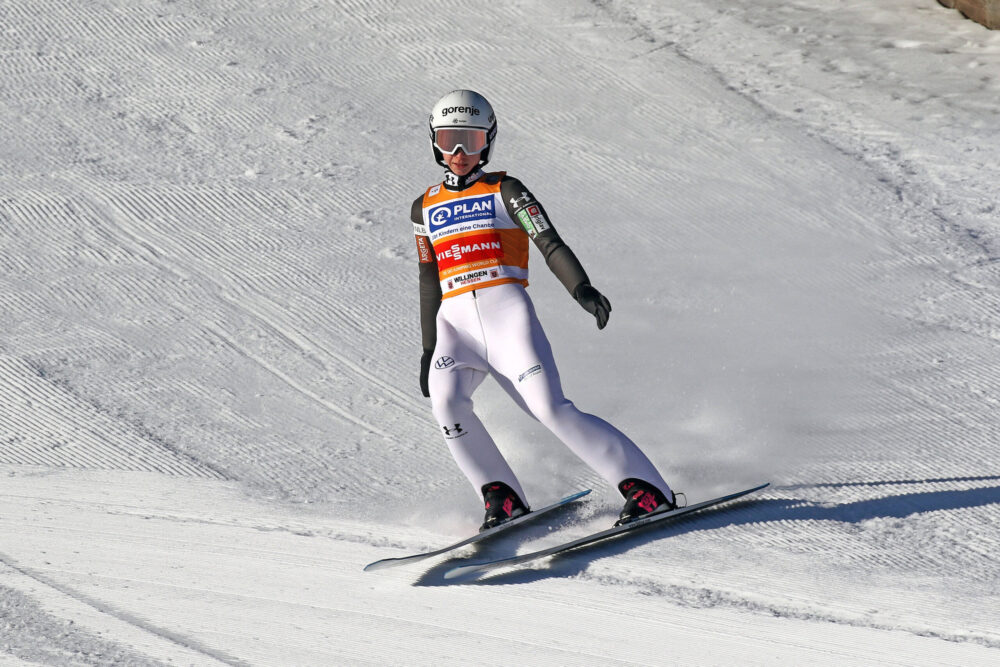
x: 458, y: 431
x: 522, y: 201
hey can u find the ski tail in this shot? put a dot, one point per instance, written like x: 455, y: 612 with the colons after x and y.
x: 478, y: 537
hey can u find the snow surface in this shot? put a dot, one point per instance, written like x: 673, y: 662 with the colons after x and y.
x: 210, y: 419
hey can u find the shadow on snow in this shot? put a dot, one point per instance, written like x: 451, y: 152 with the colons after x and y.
x: 739, y: 513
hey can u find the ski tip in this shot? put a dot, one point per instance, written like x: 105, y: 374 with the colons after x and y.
x: 381, y: 564
x: 574, y: 496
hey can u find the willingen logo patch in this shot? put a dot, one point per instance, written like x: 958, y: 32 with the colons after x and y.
x: 455, y: 212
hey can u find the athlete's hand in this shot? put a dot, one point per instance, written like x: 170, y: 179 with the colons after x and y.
x: 425, y: 371
x: 593, y: 302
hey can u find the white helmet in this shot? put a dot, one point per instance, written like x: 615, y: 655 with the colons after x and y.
x: 463, y: 119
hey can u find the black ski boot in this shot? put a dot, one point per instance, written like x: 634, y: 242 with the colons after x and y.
x: 502, y: 505
x: 641, y: 498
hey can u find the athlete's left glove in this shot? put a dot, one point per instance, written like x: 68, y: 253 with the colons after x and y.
x: 593, y: 302
x: 425, y: 371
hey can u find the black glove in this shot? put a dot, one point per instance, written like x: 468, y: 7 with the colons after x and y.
x: 425, y: 370
x: 593, y: 302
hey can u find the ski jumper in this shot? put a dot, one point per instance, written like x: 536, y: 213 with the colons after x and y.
x: 476, y: 316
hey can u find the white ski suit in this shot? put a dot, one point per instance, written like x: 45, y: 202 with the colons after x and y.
x: 478, y: 320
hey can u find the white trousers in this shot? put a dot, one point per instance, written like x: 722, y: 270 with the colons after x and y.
x: 495, y: 331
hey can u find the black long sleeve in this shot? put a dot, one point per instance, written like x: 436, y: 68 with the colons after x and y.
x: 525, y: 210
x: 430, y: 287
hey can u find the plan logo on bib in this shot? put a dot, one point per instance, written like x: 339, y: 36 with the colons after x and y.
x: 469, y: 209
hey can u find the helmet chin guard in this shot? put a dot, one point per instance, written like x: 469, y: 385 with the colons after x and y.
x: 463, y: 109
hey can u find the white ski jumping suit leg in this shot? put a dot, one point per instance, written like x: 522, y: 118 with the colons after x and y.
x: 495, y: 331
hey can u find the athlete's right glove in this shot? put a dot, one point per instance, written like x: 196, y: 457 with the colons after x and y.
x: 593, y: 302
x: 425, y: 371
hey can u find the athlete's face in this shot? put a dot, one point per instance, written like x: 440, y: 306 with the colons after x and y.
x: 460, y: 163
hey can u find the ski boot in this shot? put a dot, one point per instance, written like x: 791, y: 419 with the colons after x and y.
x: 641, y: 498
x: 502, y: 505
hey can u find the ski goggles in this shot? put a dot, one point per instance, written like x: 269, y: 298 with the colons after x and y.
x: 471, y: 140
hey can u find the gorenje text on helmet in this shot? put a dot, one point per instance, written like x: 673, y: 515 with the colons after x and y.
x: 473, y: 111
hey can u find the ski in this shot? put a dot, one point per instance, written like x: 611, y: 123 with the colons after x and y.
x: 651, y: 518
x: 486, y: 534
